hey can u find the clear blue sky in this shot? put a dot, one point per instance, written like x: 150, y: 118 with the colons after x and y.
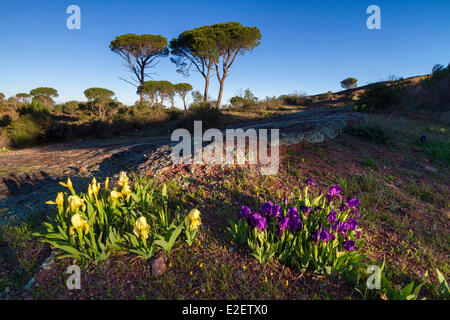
x: 307, y: 46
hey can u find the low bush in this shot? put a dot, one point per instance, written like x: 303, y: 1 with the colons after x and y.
x: 28, y: 129
x: 380, y: 98
x: 205, y: 112
x: 369, y: 131
x: 319, y: 233
x: 5, y: 120
x: 91, y: 226
x: 5, y: 140
x: 438, y: 149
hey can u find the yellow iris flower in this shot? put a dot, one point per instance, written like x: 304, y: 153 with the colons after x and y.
x: 68, y: 185
x: 106, y: 183
x: 90, y: 192
x: 59, y: 200
x: 194, y: 219
x: 141, y: 228
x: 75, y: 202
x: 114, y: 195
x: 95, y: 186
x: 78, y: 223
x: 123, y: 179
x: 126, y: 191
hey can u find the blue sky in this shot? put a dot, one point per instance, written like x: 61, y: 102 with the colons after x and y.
x: 307, y: 46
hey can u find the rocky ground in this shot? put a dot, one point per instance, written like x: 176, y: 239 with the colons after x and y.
x: 28, y: 176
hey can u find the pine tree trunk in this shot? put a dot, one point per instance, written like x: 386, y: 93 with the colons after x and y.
x: 205, y: 96
x: 219, y: 99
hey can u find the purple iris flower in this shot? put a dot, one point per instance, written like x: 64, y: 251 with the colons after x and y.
x: 267, y: 207
x: 358, y: 234
x: 356, y: 212
x: 332, y: 216
x: 284, y: 223
x: 255, y: 217
x: 258, y: 221
x: 349, y: 245
x: 292, y: 212
x: 339, y: 227
x: 285, y: 201
x: 352, y: 203
x: 275, y: 211
x: 245, y: 212
x: 334, y: 192
x: 310, y: 182
x: 351, y: 224
x: 316, y: 236
x: 306, y: 210
x: 261, y: 224
x: 326, y: 236
x: 295, y: 224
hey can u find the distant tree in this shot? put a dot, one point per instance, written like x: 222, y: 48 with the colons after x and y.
x: 159, y: 89
x: 23, y: 97
x: 249, y: 97
x: 231, y: 39
x: 70, y: 106
x: 14, y: 102
x: 237, y: 101
x: 196, y: 48
x: 100, y: 97
x: 182, y: 90
x: 349, y: 83
x: 197, y: 97
x: 139, y: 53
x: 2, y: 96
x: 44, y: 91
x: 151, y: 91
x: 437, y: 68
x: 44, y: 95
x: 439, y: 72
x: 166, y: 90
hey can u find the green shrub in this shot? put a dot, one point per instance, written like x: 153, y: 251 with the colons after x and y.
x: 439, y: 149
x: 174, y: 113
x: 326, y: 96
x: 5, y: 120
x: 70, y: 106
x: 205, y: 112
x: 19, y: 238
x: 380, y: 98
x: 369, y: 131
x: 37, y: 108
x: 58, y: 108
x: 5, y: 140
x: 28, y: 129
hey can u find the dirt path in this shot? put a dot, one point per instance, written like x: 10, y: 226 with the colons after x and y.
x: 29, y: 177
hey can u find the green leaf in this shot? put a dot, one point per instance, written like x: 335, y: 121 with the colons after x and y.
x: 407, y: 290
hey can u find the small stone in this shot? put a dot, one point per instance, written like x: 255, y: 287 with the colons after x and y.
x: 239, y: 274
x: 42, y: 275
x: 430, y: 168
x: 159, y: 266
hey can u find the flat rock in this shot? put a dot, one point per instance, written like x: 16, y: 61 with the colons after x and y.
x: 29, y: 177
